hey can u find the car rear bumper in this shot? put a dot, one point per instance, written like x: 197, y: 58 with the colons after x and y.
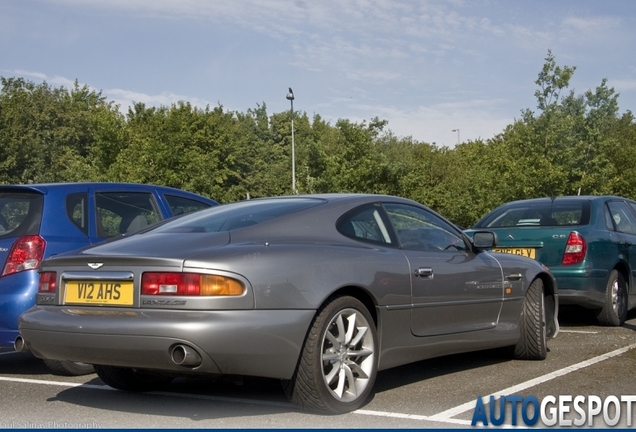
x: 583, y: 287
x: 17, y: 294
x: 247, y: 342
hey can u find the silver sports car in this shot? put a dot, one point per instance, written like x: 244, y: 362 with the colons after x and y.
x: 320, y: 291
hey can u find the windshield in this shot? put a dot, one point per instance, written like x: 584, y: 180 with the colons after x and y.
x: 533, y: 213
x: 237, y: 215
x: 20, y: 213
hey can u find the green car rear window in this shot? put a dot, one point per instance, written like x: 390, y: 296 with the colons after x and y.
x: 533, y: 213
x: 237, y: 215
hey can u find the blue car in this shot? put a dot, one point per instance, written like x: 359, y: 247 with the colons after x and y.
x: 41, y: 220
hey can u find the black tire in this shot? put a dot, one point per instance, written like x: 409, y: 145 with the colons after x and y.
x: 614, y: 312
x: 68, y: 368
x: 336, y: 379
x: 532, y: 343
x: 134, y: 380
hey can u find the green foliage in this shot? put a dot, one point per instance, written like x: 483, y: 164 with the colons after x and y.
x: 573, y: 144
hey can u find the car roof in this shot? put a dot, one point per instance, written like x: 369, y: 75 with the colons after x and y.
x: 45, y: 188
x: 566, y: 198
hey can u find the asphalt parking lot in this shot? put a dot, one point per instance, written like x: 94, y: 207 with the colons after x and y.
x: 583, y: 360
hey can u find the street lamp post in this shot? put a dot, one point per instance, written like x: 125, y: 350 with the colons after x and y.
x: 457, y: 130
x: 290, y: 98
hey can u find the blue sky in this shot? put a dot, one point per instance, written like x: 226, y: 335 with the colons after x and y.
x: 427, y: 67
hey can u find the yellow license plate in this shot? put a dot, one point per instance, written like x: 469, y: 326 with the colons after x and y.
x: 99, y: 293
x: 526, y: 252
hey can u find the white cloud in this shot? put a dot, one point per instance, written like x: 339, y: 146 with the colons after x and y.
x: 126, y: 98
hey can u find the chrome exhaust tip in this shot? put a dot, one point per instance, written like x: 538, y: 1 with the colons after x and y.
x: 183, y: 355
x: 19, y: 345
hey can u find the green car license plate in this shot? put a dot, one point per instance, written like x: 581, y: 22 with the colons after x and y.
x: 526, y: 252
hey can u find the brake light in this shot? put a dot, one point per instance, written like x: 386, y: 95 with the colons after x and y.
x: 25, y: 254
x: 575, y: 249
x: 189, y: 284
x: 48, y: 282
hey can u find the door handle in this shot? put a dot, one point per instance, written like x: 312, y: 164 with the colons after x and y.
x: 424, y: 272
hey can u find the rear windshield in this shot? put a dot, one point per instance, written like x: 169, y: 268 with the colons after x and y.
x: 20, y: 213
x: 237, y: 215
x: 533, y: 213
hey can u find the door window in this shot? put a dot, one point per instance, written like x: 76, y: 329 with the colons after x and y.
x: 180, y: 205
x: 623, y: 218
x: 418, y: 229
x: 124, y: 212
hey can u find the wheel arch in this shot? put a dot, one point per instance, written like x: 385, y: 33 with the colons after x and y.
x: 358, y: 293
x: 623, y: 268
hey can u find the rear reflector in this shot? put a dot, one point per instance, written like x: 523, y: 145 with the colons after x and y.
x: 575, y: 249
x: 189, y: 284
x: 25, y: 254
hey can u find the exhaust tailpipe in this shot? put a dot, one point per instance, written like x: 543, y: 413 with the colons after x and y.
x: 183, y: 355
x: 19, y: 345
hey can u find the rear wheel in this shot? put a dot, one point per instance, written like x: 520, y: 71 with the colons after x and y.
x: 532, y: 344
x: 338, y: 364
x: 614, y: 312
x: 128, y: 379
x: 68, y: 368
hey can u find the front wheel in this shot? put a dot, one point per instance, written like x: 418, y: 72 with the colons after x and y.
x: 338, y: 364
x: 614, y: 311
x: 128, y: 379
x: 532, y: 344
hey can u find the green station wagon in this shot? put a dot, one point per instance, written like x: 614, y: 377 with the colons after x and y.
x: 588, y: 242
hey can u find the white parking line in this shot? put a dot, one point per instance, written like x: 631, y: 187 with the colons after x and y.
x: 577, y: 331
x: 160, y: 393
x: 442, y: 417
x: 449, y: 414
x: 56, y: 383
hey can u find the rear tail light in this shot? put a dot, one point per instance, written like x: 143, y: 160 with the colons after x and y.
x: 190, y: 284
x: 48, y: 282
x: 25, y: 254
x: 575, y: 249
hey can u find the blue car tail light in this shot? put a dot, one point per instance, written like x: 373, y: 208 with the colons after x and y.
x: 26, y: 254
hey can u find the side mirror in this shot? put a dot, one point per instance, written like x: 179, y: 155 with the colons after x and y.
x: 484, y: 239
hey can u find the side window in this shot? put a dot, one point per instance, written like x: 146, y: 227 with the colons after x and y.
x: 124, y: 212
x: 418, y: 229
x: 623, y: 218
x: 365, y: 224
x: 77, y: 210
x: 180, y: 205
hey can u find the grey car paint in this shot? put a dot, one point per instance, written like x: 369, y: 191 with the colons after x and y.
x: 291, y: 266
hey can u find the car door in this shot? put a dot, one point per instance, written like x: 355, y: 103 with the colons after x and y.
x: 454, y: 290
x: 624, y: 222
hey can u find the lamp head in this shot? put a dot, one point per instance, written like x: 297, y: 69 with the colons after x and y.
x: 290, y: 95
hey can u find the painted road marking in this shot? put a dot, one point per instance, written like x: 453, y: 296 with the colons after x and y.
x: 442, y: 417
